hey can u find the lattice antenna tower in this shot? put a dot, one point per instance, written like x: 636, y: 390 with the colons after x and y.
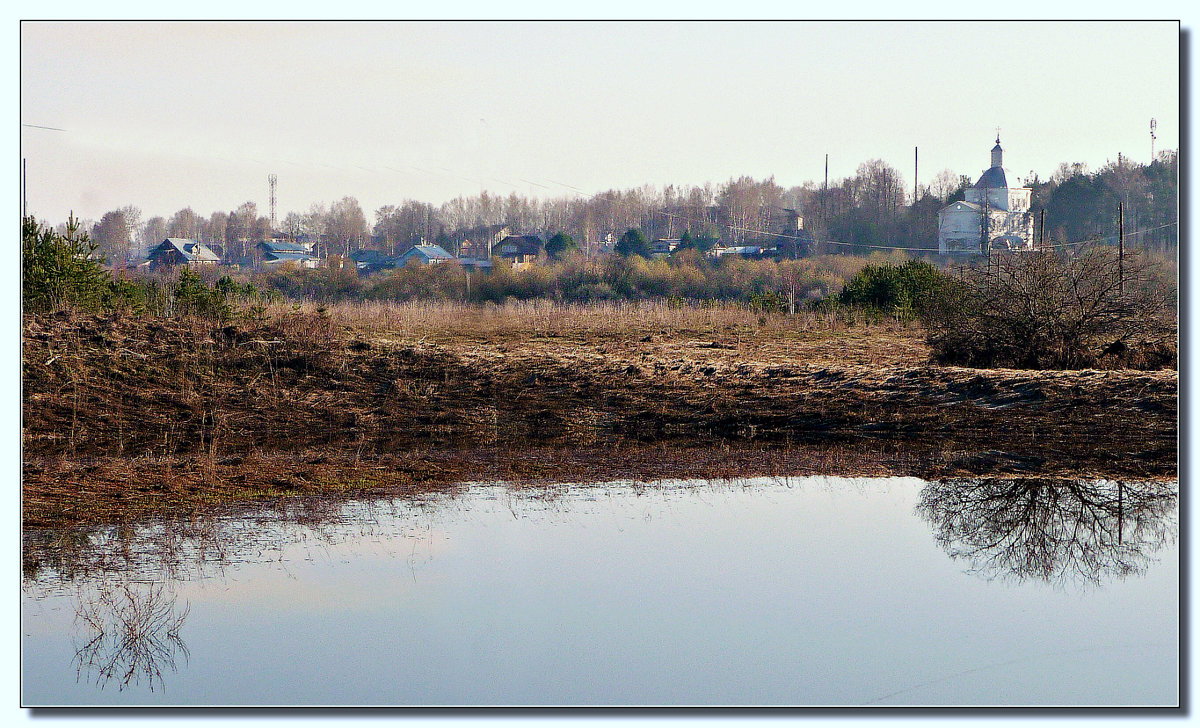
x: 272, y: 182
x: 1153, y: 126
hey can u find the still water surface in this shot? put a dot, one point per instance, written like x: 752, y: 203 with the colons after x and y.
x: 806, y: 592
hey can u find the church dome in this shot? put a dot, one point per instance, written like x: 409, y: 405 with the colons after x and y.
x: 997, y: 177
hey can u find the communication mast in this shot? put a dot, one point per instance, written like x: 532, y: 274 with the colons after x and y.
x: 272, y: 182
x: 1153, y: 126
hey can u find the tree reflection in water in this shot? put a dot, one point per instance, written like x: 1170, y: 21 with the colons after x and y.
x: 132, y: 634
x: 1051, y: 529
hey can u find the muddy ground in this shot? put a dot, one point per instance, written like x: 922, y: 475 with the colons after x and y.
x: 123, y: 416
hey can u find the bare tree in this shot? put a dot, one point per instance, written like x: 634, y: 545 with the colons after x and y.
x: 1051, y: 529
x: 292, y: 225
x: 347, y: 224
x: 153, y: 232
x: 133, y: 223
x: 1048, y: 310
x: 316, y: 226
x: 184, y: 224
x: 243, y: 229
x: 213, y: 229
x: 112, y: 238
x: 944, y: 184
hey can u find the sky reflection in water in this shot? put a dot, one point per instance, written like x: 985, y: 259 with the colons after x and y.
x: 813, y: 591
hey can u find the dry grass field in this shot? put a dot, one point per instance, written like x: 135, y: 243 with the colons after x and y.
x: 124, y: 416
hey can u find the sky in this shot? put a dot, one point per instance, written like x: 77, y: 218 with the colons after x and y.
x: 164, y: 116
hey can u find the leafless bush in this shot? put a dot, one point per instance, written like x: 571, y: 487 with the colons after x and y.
x: 132, y: 634
x: 1050, y: 311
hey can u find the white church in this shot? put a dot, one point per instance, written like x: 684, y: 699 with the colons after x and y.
x: 993, y: 211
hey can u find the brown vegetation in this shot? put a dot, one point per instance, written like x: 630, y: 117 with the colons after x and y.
x: 1097, y: 309
x: 123, y: 415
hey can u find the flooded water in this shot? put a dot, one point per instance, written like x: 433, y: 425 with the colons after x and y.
x: 798, y: 592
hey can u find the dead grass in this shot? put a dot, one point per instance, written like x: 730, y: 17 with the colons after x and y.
x: 450, y: 321
x: 123, y: 415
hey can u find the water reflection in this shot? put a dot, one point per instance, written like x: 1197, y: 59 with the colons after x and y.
x: 128, y: 633
x: 181, y: 548
x: 1051, y: 529
x: 832, y: 592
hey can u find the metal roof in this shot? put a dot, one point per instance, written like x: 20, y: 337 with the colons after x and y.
x: 997, y: 177
x: 429, y: 252
x: 288, y: 255
x: 191, y: 250
x: 964, y: 203
x: 279, y: 246
x: 370, y: 256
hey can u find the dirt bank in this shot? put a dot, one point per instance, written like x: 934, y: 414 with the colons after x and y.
x: 124, y: 415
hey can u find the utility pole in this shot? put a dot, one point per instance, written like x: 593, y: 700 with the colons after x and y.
x: 1043, y: 233
x: 985, y: 243
x: 1153, y: 126
x: 914, y: 175
x: 24, y: 191
x: 272, y: 182
x: 1120, y: 512
x: 1121, y: 248
x: 825, y: 195
x: 825, y: 203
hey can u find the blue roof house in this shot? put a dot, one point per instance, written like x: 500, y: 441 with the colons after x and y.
x: 276, y: 252
x: 424, y: 255
x: 372, y: 261
x: 182, y: 251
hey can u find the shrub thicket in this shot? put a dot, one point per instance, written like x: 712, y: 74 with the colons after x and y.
x: 685, y: 276
x: 1050, y: 311
x: 902, y: 289
x: 61, y: 270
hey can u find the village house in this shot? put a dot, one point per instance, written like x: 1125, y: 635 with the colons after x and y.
x: 276, y: 252
x: 746, y: 251
x: 479, y: 242
x: 475, y: 264
x: 662, y: 247
x: 299, y: 240
x: 182, y: 251
x: 791, y: 239
x: 522, y: 250
x: 372, y: 261
x: 993, y: 216
x: 424, y: 254
x: 605, y: 245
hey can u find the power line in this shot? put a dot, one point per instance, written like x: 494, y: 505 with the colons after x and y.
x: 731, y: 226
x: 1107, y: 238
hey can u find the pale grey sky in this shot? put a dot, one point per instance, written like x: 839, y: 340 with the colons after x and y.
x: 164, y: 116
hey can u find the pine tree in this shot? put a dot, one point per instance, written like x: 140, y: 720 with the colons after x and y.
x: 60, y: 270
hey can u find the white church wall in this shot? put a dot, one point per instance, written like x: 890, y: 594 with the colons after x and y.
x: 1010, y: 224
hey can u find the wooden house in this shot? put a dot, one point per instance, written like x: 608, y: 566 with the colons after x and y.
x: 182, y: 251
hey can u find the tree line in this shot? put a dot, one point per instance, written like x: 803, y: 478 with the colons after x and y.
x: 873, y: 207
x: 1038, y: 310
